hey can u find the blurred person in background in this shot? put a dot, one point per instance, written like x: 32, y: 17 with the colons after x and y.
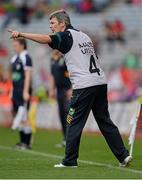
x: 23, y: 13
x: 5, y: 100
x: 86, y: 6
x: 114, y: 32
x: 3, y: 50
x: 60, y: 83
x: 115, y: 84
x: 14, y: 10
x: 118, y: 30
x: 132, y: 60
x: 134, y: 2
x: 41, y: 9
x: 130, y: 75
x: 8, y: 10
x: 125, y: 80
x: 109, y: 34
x: 21, y: 67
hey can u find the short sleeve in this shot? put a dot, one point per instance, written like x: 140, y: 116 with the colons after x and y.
x: 61, y: 41
x: 28, y: 63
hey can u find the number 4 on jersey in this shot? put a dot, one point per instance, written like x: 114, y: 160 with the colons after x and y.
x: 93, y: 68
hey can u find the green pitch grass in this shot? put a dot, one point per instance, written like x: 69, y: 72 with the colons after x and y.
x: 96, y: 160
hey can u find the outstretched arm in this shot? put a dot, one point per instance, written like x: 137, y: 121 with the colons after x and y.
x: 40, y: 38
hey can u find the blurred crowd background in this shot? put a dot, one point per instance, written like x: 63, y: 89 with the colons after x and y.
x: 114, y: 26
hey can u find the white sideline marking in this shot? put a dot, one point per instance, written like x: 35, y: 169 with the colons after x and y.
x: 18, y: 159
x: 81, y: 161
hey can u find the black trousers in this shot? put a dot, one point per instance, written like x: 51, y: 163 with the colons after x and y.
x: 63, y: 105
x: 82, y: 102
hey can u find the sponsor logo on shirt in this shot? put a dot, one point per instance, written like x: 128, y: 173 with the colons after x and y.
x: 16, y: 76
x: 86, y: 47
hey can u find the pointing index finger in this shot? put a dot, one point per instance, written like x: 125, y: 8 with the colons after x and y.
x: 10, y: 30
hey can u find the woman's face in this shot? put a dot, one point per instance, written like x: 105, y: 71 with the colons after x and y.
x: 56, y: 26
x: 17, y: 47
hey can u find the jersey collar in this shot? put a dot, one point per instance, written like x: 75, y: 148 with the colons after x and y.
x: 24, y: 52
x: 69, y: 27
x: 21, y: 55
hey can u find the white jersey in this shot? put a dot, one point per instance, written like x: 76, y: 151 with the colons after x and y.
x: 82, y: 64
